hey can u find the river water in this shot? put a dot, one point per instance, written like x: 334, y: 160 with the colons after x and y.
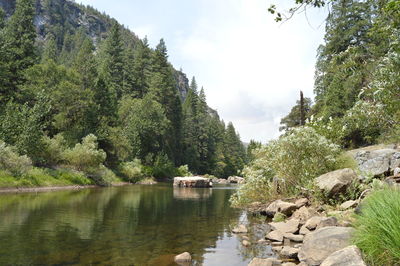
x: 130, y: 225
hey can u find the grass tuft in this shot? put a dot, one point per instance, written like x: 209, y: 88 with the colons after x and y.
x: 377, y: 228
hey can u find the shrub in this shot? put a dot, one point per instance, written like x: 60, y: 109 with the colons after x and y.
x: 183, y: 170
x: 53, y: 150
x: 132, y: 171
x: 11, y: 161
x: 163, y: 167
x: 287, y: 165
x: 86, y: 155
x: 377, y: 228
x: 101, y: 175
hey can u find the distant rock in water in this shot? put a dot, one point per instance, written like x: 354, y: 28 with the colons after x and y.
x: 192, y: 181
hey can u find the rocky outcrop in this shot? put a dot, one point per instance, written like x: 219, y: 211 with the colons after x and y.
x: 336, y: 182
x: 192, y: 181
x: 318, y: 245
x: 378, y: 162
x: 349, y: 256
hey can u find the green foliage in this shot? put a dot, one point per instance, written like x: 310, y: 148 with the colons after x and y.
x: 279, y: 217
x: 101, y: 80
x: 183, y: 170
x: 12, y: 162
x: 19, y: 52
x: 53, y: 150
x: 133, y: 171
x: 163, y: 167
x: 287, y: 166
x: 293, y: 118
x: 85, y: 156
x: 377, y: 228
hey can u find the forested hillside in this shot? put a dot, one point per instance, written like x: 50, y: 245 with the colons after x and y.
x: 357, y: 85
x: 80, y: 92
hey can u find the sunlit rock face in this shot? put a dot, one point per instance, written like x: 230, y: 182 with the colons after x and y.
x: 192, y: 182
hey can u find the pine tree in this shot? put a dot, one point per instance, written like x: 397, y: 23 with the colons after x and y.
x: 162, y: 88
x: 202, y: 132
x: 18, y: 47
x: 85, y: 64
x: 113, y: 62
x: 141, y: 68
x: 50, y: 50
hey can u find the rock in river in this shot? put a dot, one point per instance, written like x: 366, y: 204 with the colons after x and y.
x: 183, y: 257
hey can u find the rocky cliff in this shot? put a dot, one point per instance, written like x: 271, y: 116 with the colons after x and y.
x: 62, y: 17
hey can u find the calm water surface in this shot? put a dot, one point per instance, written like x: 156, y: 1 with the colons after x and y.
x: 132, y: 225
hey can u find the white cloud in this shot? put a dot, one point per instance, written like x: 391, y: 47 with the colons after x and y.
x: 252, y: 67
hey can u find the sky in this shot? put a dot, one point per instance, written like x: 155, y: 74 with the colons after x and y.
x: 251, y: 67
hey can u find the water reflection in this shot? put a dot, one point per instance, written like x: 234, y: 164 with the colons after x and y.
x: 192, y: 193
x: 135, y: 225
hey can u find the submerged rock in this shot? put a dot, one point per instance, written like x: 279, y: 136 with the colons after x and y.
x: 240, y: 229
x: 183, y: 257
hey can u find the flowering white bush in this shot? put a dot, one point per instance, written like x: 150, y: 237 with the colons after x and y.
x: 287, y: 165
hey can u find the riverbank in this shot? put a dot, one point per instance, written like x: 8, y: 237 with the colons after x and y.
x: 5, y: 190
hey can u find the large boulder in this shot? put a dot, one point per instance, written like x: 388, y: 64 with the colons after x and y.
x: 236, y: 180
x: 318, y: 245
x: 377, y: 162
x: 349, y: 256
x: 336, y: 182
x: 287, y: 208
x: 192, y: 181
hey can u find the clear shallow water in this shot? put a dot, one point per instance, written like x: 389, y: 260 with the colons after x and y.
x: 132, y: 225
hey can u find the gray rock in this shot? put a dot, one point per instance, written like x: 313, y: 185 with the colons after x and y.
x: 289, y: 252
x: 192, y: 181
x: 264, y: 262
x: 289, y: 264
x: 277, y: 249
x: 183, y: 257
x: 287, y: 208
x: 327, y: 221
x: 395, y: 160
x: 349, y: 256
x: 293, y: 237
x: 377, y: 162
x: 291, y: 226
x: 348, y: 204
x: 276, y: 236
x: 303, y: 214
x: 336, y: 182
x: 313, y: 222
x: 318, y: 245
x: 240, y: 229
x: 396, y: 171
x: 275, y: 244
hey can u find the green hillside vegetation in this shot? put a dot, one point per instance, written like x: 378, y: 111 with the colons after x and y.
x: 91, y: 102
